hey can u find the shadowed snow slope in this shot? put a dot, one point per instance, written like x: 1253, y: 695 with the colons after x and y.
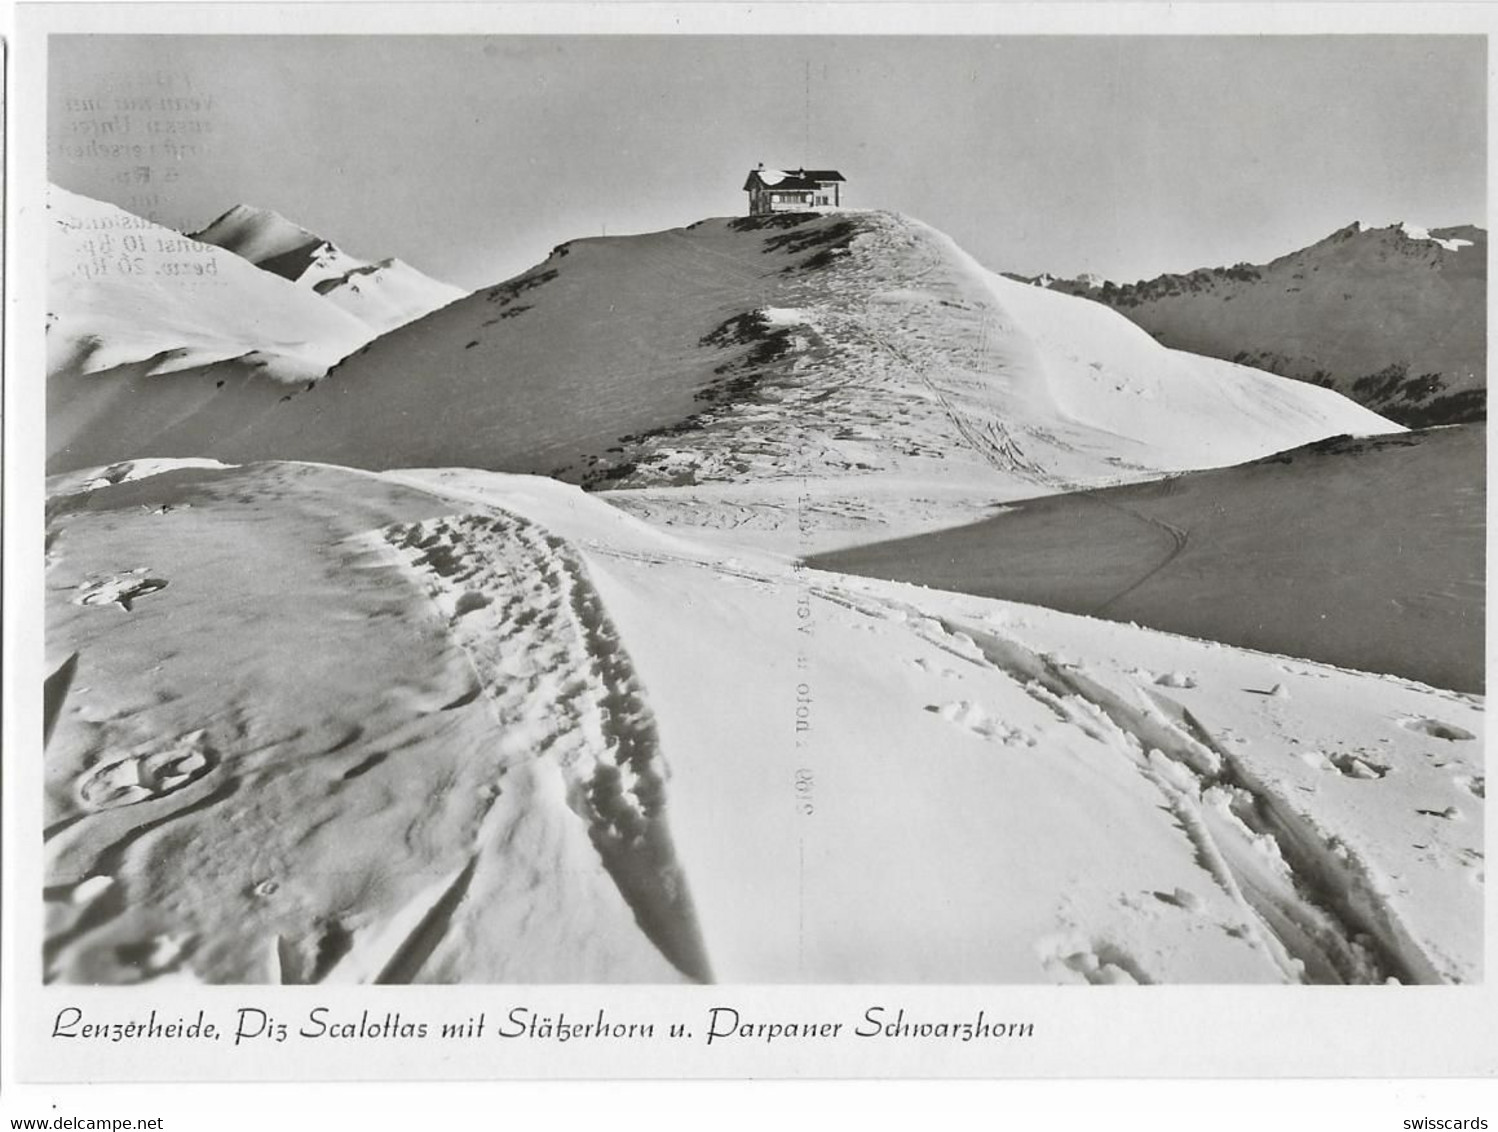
x: 1394, y: 317
x: 1364, y: 553
x: 315, y: 725
x: 159, y: 343
x: 384, y: 295
x: 861, y: 350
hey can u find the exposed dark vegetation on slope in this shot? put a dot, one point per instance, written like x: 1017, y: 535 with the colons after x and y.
x: 1165, y: 286
x: 1344, y: 445
x: 829, y: 242
x: 770, y: 220
x: 1418, y: 400
x: 741, y: 376
x: 738, y: 380
x: 506, y: 293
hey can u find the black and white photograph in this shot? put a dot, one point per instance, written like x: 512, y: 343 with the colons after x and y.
x: 748, y: 510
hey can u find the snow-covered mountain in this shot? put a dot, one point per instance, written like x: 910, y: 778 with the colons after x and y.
x: 1393, y: 317
x: 310, y: 723
x: 160, y: 342
x: 862, y: 351
x: 125, y: 292
x: 384, y: 295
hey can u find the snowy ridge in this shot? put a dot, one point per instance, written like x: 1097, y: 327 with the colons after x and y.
x: 387, y: 294
x: 171, y: 303
x: 916, y: 370
x: 264, y: 237
x: 859, y: 355
x: 383, y: 295
x: 1450, y: 244
x: 576, y: 685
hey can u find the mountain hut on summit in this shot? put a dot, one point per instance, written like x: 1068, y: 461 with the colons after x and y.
x: 805, y: 190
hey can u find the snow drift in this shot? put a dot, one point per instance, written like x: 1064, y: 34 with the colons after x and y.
x: 610, y: 754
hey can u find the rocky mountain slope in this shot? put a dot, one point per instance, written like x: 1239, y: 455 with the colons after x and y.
x: 1394, y: 318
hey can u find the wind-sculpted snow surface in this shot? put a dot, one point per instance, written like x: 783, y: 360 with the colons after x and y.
x: 242, y: 789
x: 567, y: 672
x: 613, y: 753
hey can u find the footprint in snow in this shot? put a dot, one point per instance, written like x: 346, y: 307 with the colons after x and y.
x: 926, y: 666
x: 157, y: 956
x: 146, y: 775
x: 1277, y: 692
x: 1345, y: 763
x: 1450, y: 813
x: 119, y: 589
x: 1181, y: 898
x: 1097, y: 962
x: 1436, y: 729
x: 971, y: 717
x: 1175, y: 680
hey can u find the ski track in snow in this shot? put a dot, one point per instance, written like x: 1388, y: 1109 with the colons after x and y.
x: 1317, y: 909
x: 1312, y: 904
x: 549, y: 665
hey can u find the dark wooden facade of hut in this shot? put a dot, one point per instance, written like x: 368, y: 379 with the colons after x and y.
x: 801, y: 190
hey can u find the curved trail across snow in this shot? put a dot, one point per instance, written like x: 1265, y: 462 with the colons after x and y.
x: 552, y: 671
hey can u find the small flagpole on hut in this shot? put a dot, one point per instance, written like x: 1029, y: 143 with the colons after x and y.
x: 806, y: 140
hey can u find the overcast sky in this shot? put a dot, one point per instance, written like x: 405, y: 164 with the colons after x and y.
x: 471, y: 157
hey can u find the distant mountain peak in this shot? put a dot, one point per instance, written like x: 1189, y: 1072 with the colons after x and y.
x: 283, y: 247
x: 253, y: 214
x: 265, y: 238
x: 1393, y: 316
